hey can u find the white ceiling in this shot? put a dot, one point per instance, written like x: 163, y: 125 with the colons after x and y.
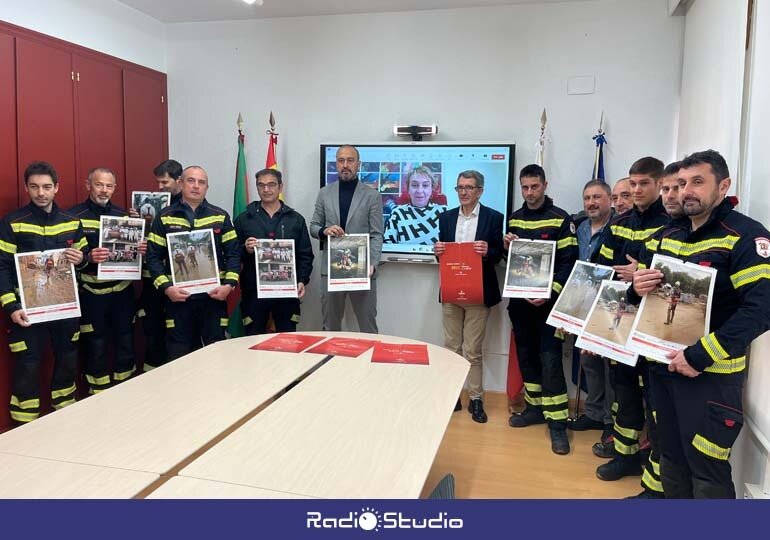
x: 178, y: 11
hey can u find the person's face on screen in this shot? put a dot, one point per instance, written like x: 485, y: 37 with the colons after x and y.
x: 420, y: 189
x: 269, y: 188
x: 621, y: 196
x: 699, y: 190
x: 468, y: 193
x: 596, y: 203
x: 195, y: 184
x: 533, y: 191
x: 669, y: 192
x: 347, y: 163
x: 167, y: 184
x: 644, y: 190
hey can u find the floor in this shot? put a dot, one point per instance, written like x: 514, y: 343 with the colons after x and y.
x: 495, y: 461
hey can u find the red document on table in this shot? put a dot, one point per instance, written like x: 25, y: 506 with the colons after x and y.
x: 397, y: 353
x: 287, y: 343
x: 461, y: 280
x: 341, y: 346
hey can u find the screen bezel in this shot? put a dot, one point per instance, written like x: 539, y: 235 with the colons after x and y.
x: 414, y: 257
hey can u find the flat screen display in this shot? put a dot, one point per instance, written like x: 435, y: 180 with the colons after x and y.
x: 416, y: 182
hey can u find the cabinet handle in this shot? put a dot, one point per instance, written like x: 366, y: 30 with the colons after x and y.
x: 162, y: 99
x: 78, y: 76
x: 72, y: 75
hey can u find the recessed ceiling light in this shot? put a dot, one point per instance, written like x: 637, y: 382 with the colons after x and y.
x: 253, y: 2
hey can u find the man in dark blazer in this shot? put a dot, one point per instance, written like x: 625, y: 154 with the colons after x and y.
x: 465, y: 325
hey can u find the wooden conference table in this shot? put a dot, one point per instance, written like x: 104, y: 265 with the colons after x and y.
x: 350, y: 429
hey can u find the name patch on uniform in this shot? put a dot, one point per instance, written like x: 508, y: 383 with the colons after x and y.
x: 763, y: 247
x: 544, y: 236
x: 705, y: 263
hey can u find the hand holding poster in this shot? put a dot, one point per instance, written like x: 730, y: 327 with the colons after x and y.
x: 276, y: 269
x: 193, y: 260
x: 677, y: 313
x: 460, y: 274
x: 348, y: 263
x: 47, y: 286
x: 571, y: 309
x: 530, y: 269
x: 122, y: 237
x: 608, y: 324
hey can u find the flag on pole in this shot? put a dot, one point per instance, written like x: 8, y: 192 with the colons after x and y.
x: 540, y: 154
x: 240, y: 202
x: 600, y: 141
x: 271, y: 162
x: 515, y: 381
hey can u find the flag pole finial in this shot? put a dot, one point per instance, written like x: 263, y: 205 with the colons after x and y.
x: 543, y: 120
x: 240, y: 122
x: 272, y: 123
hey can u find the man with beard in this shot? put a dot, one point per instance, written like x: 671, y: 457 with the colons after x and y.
x: 698, y: 396
x: 107, y: 305
x: 347, y: 207
x: 598, y: 404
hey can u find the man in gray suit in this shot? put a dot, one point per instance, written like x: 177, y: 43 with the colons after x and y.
x: 348, y: 206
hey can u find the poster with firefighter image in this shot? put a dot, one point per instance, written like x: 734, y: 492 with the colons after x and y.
x: 276, y: 269
x: 47, y: 286
x: 122, y: 237
x: 193, y: 261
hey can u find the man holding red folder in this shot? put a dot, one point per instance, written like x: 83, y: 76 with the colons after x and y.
x: 465, y: 324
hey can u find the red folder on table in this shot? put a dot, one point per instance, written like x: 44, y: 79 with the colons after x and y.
x: 341, y: 346
x: 288, y: 342
x: 397, y: 353
x: 460, y: 273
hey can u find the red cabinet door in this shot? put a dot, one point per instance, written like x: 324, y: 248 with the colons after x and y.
x: 99, y: 118
x: 9, y: 194
x: 45, y: 109
x: 145, y: 128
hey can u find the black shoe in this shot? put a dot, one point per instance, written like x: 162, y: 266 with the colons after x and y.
x: 605, y: 450
x: 459, y: 405
x: 559, y: 441
x: 530, y: 417
x: 584, y: 423
x: 476, y: 408
x: 648, y: 494
x: 619, y: 467
x: 608, y: 434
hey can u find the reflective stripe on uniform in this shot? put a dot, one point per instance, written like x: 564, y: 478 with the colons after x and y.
x: 566, y: 242
x: 169, y: 323
x: 224, y: 321
x: 46, y: 231
x: 707, y: 447
x: 228, y: 236
x: 160, y: 280
x: 727, y: 366
x: 539, y: 224
x: 247, y: 321
x: 24, y: 417
x: 80, y: 244
x: 170, y: 220
x: 99, y: 381
x: 107, y: 290
x: 7, y: 247
x: 604, y: 251
x: 33, y: 403
x: 750, y: 275
x: 64, y: 392
x: 76, y: 336
x: 123, y: 375
x: 685, y: 249
x: 86, y: 328
x: 200, y: 222
x: 18, y: 346
x: 555, y: 400
x: 557, y: 287
x: 7, y: 298
x: 63, y: 404
x: 232, y: 275
x: 90, y: 223
x: 713, y: 347
x: 156, y: 239
x: 650, y: 482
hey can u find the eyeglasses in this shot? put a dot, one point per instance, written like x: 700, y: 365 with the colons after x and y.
x: 465, y: 189
x: 269, y: 185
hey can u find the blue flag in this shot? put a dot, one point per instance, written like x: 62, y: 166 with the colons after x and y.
x: 600, y: 140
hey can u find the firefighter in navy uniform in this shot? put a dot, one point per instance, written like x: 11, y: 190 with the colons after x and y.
x: 698, y: 396
x: 151, y: 300
x: 197, y: 319
x: 270, y: 218
x: 538, y: 348
x: 107, y: 306
x: 39, y: 226
x: 621, y: 248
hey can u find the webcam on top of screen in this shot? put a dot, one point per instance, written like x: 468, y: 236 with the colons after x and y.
x: 415, y: 132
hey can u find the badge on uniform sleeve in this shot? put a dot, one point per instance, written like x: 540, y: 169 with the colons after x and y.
x: 763, y: 247
x: 217, y: 231
x: 572, y: 227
